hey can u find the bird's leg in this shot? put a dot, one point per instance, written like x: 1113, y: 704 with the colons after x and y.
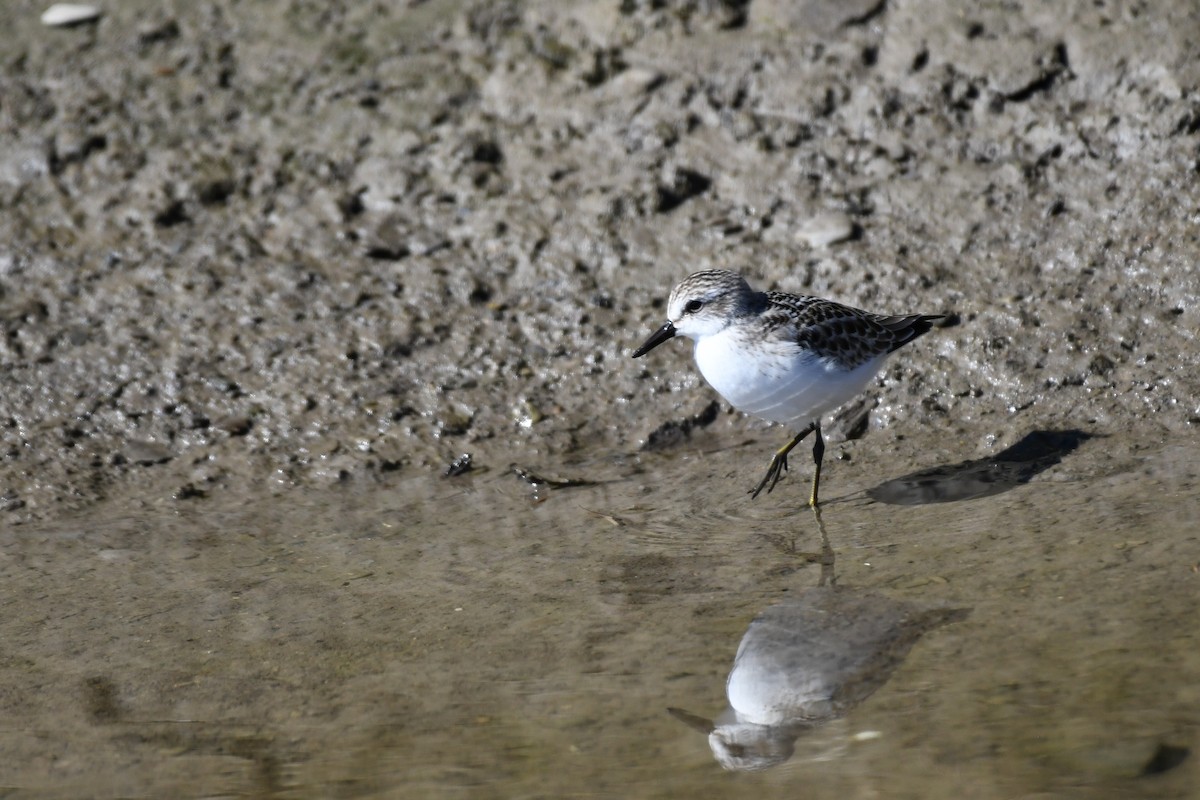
x: 818, y: 454
x: 778, y: 464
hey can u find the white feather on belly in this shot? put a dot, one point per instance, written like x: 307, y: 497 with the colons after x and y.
x: 781, y: 382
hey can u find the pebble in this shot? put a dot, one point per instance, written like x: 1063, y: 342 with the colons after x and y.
x: 826, y: 229
x: 146, y: 453
x: 62, y: 15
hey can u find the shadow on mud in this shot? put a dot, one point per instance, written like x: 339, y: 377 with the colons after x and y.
x: 982, y: 477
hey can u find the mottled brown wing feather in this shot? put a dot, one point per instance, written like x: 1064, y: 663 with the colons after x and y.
x: 849, y: 335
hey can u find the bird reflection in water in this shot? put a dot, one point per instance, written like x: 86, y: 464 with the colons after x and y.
x: 807, y: 661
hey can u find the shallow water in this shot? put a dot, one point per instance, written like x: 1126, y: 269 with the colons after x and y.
x: 453, y: 637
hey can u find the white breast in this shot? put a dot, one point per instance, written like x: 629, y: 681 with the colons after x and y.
x: 779, y: 382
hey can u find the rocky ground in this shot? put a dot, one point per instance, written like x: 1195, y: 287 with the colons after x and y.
x: 310, y: 244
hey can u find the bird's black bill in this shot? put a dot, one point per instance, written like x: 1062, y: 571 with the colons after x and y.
x: 656, y: 338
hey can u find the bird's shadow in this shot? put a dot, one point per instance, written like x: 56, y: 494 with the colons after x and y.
x: 983, y: 477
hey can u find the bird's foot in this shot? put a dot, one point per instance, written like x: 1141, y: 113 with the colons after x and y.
x: 775, y: 471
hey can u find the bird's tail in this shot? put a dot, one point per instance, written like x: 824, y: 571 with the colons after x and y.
x: 908, y: 326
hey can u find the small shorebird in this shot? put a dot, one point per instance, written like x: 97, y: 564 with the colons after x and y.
x: 783, y: 357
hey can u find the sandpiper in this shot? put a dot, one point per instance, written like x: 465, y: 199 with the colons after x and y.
x: 783, y: 357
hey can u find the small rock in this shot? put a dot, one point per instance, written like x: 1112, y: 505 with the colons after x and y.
x: 680, y: 185
x: 1101, y: 365
x: 826, y: 229
x: 64, y: 15
x: 236, y: 425
x: 636, y: 81
x: 158, y: 31
x: 454, y: 421
x: 11, y: 501
x: 189, y: 492
x: 147, y: 453
x: 459, y: 466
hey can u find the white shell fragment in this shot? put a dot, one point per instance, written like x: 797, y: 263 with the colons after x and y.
x: 62, y: 15
x: 826, y: 229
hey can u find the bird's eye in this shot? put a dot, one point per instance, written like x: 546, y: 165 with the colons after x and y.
x: 693, y: 306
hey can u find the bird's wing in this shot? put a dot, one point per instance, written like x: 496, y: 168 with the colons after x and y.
x: 831, y: 330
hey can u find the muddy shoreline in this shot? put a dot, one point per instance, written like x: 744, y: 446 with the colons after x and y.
x: 266, y: 272
x: 307, y: 247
